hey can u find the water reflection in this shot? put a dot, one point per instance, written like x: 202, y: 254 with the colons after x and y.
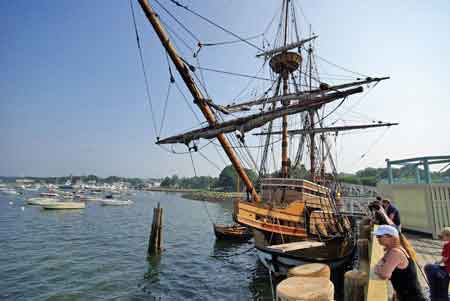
x: 154, y: 265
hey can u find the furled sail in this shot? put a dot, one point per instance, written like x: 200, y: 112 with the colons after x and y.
x: 328, y: 129
x: 245, y: 106
x: 245, y: 124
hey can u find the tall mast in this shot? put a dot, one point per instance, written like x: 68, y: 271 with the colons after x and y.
x: 285, y: 75
x: 312, y: 155
x: 284, y: 63
x: 198, y: 97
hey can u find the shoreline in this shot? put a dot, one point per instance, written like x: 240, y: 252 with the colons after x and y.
x: 201, y: 195
x: 212, y: 196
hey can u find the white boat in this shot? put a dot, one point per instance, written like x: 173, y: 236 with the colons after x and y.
x: 64, y: 205
x: 48, y: 194
x: 112, y: 202
x: 10, y: 191
x: 41, y: 201
x: 91, y: 198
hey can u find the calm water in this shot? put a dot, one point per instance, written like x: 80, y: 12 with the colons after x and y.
x: 100, y: 253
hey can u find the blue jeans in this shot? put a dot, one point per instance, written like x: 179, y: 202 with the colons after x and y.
x: 438, y: 279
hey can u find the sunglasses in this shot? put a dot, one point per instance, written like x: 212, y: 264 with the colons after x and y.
x: 384, y: 235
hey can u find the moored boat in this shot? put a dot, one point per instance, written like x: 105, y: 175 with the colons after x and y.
x: 232, y: 232
x: 64, y: 205
x: 40, y: 201
x: 113, y: 202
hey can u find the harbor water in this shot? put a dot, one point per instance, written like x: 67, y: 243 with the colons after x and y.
x: 100, y: 253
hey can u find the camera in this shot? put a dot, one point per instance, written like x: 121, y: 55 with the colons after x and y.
x: 374, y: 206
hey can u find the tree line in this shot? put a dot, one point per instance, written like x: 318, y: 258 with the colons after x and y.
x: 228, y: 179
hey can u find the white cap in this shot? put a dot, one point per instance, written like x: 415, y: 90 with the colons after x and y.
x: 386, y: 229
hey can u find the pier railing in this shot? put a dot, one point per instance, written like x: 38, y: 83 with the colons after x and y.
x: 355, y: 205
x: 423, y: 207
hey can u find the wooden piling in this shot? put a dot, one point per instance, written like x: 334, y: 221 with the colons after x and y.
x: 310, y: 270
x: 305, y: 288
x: 365, y: 231
x: 355, y: 283
x: 155, y: 240
x: 363, y: 255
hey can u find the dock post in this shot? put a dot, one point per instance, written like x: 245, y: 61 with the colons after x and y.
x: 363, y: 255
x: 155, y: 240
x: 355, y: 283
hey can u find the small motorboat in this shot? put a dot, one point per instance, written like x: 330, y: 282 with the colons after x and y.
x: 232, y: 232
x: 40, y: 201
x: 112, y: 202
x: 64, y: 205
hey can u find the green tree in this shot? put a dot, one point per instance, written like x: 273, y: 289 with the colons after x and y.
x: 228, y: 178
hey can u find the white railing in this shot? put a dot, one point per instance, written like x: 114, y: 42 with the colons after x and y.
x: 438, y: 196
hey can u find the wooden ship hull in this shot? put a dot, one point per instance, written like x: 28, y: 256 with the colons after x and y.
x: 296, y: 223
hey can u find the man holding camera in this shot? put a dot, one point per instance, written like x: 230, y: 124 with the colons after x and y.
x: 385, y: 213
x: 392, y: 213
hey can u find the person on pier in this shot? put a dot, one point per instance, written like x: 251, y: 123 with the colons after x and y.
x: 438, y: 273
x: 392, y: 213
x: 397, y: 265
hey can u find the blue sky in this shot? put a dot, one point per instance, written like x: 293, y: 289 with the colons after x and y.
x: 73, y: 97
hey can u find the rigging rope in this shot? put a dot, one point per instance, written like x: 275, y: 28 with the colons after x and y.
x: 233, y: 73
x: 178, y: 22
x: 215, y: 24
x: 173, y: 32
x: 147, y: 85
x: 340, y: 67
x: 204, y: 202
x: 187, y: 102
x: 212, y: 163
x: 165, y: 107
x: 229, y: 42
x: 371, y: 146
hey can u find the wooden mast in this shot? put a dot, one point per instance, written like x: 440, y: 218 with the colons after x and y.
x: 312, y: 155
x: 198, y: 97
x: 285, y: 75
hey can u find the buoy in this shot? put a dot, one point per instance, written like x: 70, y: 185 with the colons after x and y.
x: 305, y: 288
x: 354, y: 285
x: 310, y: 270
x: 10, y: 202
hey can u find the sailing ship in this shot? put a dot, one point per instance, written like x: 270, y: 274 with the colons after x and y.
x: 293, y: 220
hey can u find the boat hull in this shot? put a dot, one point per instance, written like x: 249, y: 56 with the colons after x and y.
x: 64, y: 205
x: 40, y: 201
x: 335, y: 253
x: 115, y: 203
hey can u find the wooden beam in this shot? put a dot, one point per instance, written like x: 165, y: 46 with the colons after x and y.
x: 245, y: 124
x: 328, y: 129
